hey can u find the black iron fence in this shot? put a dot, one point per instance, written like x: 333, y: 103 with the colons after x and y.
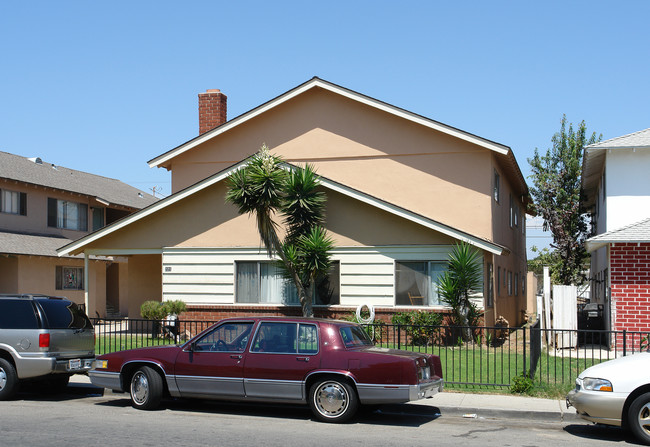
x: 484, y: 357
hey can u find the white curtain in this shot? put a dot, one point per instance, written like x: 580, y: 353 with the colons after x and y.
x: 275, y: 287
x: 247, y: 282
x: 436, y: 269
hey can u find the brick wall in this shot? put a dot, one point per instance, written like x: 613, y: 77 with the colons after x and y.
x: 630, y: 286
x: 219, y: 312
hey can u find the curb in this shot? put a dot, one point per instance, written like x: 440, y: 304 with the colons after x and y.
x: 549, y: 416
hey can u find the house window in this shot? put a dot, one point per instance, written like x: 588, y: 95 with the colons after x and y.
x: 497, y: 186
x: 498, y: 281
x: 516, y: 286
x: 512, y: 212
x: 67, y: 215
x: 69, y: 278
x: 13, y: 202
x: 264, y: 283
x: 98, y: 218
x: 416, y: 282
x: 490, y: 283
x: 523, y: 284
x: 509, y: 283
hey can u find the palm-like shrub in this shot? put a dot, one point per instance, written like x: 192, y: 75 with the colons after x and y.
x: 462, y: 278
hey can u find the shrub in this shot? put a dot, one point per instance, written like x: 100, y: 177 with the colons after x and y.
x: 153, y: 310
x: 521, y: 384
x: 176, y: 307
x: 419, y: 326
x: 156, y: 310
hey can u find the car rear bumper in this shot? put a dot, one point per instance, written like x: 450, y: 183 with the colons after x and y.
x: 394, y: 394
x: 31, y: 367
x: 425, y: 390
x: 596, y: 406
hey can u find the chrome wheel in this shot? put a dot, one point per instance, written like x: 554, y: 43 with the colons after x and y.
x: 146, y: 388
x: 140, y: 388
x: 8, y: 380
x: 333, y: 400
x: 3, y: 379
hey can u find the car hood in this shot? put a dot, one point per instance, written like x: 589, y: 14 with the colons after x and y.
x: 152, y: 351
x: 625, y: 373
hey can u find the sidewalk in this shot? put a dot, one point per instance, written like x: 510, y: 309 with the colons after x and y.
x: 500, y: 405
x: 469, y: 405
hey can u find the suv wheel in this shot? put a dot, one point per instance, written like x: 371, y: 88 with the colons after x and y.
x: 8, y: 380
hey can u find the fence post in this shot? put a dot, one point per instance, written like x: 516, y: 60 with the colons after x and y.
x: 525, y: 373
x: 399, y: 336
x: 624, y: 342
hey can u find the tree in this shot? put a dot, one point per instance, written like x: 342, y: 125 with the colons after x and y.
x: 546, y: 258
x: 556, y: 192
x: 463, y: 277
x: 266, y: 188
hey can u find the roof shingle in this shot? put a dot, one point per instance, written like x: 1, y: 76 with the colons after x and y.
x: 115, y: 192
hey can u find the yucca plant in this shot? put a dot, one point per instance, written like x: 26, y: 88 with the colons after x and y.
x: 462, y: 278
x: 266, y: 188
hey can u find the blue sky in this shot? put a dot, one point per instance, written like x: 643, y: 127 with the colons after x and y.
x: 104, y: 87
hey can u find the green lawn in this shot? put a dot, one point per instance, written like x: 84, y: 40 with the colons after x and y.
x: 483, y: 369
x: 106, y: 344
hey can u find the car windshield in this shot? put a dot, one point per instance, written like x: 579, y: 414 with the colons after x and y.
x: 354, y: 336
x: 62, y: 314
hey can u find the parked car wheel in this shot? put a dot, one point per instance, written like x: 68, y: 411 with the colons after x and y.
x: 639, y: 418
x: 146, y: 389
x: 333, y: 400
x: 8, y: 380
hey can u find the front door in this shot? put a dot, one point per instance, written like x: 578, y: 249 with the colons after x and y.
x: 213, y: 367
x: 280, y: 358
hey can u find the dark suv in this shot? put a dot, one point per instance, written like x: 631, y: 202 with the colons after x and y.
x: 42, y: 337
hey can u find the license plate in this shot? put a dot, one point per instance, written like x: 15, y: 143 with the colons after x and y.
x: 74, y: 364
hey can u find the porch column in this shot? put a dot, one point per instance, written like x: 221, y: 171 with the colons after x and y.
x: 86, y: 276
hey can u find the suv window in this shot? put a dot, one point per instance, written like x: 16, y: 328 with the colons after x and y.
x: 63, y: 314
x: 17, y: 314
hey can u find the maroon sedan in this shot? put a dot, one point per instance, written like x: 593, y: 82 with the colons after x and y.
x: 331, y: 365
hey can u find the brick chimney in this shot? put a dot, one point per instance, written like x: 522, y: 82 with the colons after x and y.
x: 212, y: 110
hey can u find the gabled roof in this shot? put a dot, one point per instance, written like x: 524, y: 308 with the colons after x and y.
x: 636, y: 232
x: 320, y: 83
x: 78, y: 245
x: 629, y: 141
x: 106, y: 190
x: 594, y: 157
x: 507, y: 160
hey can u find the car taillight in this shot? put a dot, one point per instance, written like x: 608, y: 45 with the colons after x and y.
x: 43, y: 340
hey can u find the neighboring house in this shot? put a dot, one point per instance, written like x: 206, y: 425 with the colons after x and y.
x: 43, y: 207
x: 616, y: 184
x: 402, y: 189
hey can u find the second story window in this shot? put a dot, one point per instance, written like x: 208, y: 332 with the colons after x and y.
x: 497, y: 186
x: 13, y: 202
x: 67, y: 215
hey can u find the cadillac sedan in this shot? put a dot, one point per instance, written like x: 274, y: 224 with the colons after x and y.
x: 616, y: 392
x: 331, y: 365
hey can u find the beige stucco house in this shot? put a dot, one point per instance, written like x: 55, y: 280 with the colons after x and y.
x: 43, y: 207
x: 402, y: 189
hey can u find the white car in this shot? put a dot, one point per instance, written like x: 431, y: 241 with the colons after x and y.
x: 616, y: 392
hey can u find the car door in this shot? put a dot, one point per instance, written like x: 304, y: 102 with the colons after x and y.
x: 280, y: 357
x: 212, y: 366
